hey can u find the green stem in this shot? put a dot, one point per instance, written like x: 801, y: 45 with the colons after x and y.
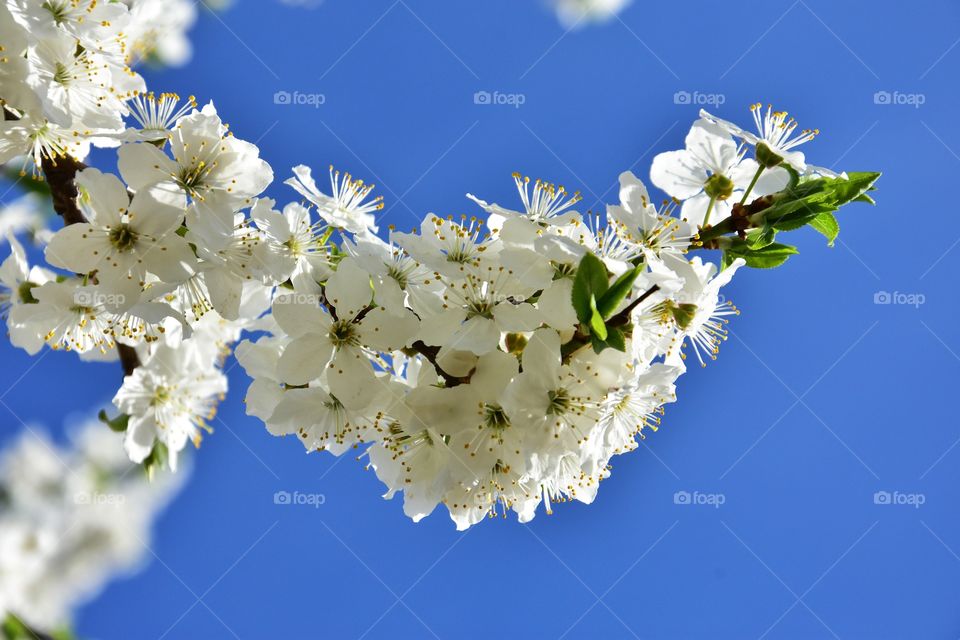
x: 706, y: 217
x: 753, y: 183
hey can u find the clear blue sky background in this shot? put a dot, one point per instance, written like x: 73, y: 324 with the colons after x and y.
x: 820, y: 398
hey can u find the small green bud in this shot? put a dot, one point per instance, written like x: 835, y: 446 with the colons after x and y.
x: 681, y: 313
x: 25, y: 291
x: 767, y: 158
x: 718, y: 186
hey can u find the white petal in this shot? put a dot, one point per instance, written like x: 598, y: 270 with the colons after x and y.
x: 556, y: 306
x: 304, y: 359
x: 349, y: 289
x: 541, y: 356
x: 478, y: 334
x: 139, y: 438
x: 142, y: 164
x: 351, y: 379
x: 171, y: 259
x: 516, y: 317
x: 711, y: 145
x: 298, y: 318
x: 74, y: 248
x: 678, y: 173
x: 387, y: 331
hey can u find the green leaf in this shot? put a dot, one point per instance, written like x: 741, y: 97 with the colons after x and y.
x: 768, y: 257
x: 617, y: 292
x: 14, y: 629
x: 826, y: 223
x: 853, y: 187
x: 118, y: 424
x: 798, y: 205
x: 727, y: 259
x: 762, y: 237
x: 591, y: 280
x: 597, y: 326
x: 616, y: 339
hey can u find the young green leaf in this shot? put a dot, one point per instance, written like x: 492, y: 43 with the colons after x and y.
x: 591, y: 280
x: 597, y: 326
x: 617, y: 292
x: 762, y: 237
x: 118, y: 424
x: 826, y: 223
x: 616, y: 339
x: 853, y: 187
x: 770, y: 256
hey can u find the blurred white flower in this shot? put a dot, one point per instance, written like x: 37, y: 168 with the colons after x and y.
x: 72, y: 518
x: 577, y: 13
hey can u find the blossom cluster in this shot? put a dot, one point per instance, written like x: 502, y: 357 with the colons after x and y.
x: 488, y: 364
x: 66, y: 69
x: 72, y: 517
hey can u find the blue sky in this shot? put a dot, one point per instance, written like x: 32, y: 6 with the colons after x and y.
x: 820, y: 399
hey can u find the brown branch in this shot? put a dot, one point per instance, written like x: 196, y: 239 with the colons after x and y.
x: 623, y: 318
x: 60, y: 175
x: 740, y: 220
x: 430, y: 353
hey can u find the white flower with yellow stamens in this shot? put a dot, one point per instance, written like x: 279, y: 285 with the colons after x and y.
x: 169, y: 398
x: 347, y: 207
x: 656, y: 231
x: 543, y: 203
x: 775, y: 132
x: 217, y: 171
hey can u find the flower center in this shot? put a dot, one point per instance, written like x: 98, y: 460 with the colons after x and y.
x: 481, y: 308
x: 343, y: 333
x: 559, y: 402
x: 123, y: 238
x: 494, y: 417
x: 61, y: 74
x: 58, y: 10
x: 682, y: 314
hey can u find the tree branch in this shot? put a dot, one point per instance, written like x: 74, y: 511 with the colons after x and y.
x: 742, y: 217
x: 60, y: 176
x: 430, y: 353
